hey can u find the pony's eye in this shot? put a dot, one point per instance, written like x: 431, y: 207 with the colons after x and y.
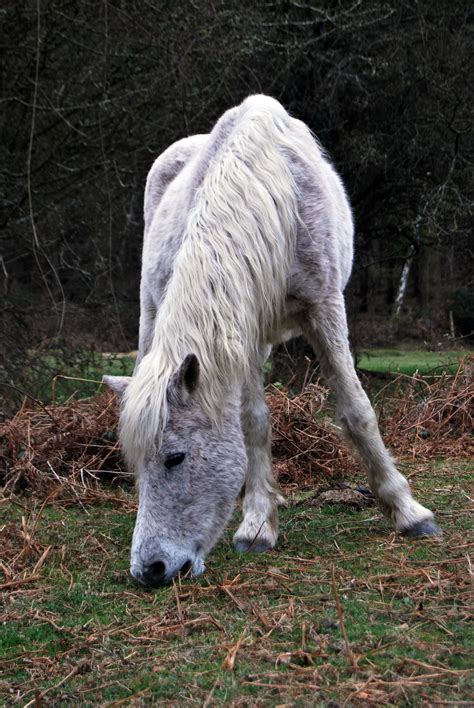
x: 175, y: 459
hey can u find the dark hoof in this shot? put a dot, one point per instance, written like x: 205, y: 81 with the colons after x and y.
x: 428, y: 527
x: 366, y: 492
x: 243, y: 546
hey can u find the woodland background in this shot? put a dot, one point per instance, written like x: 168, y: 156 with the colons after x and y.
x: 93, y: 91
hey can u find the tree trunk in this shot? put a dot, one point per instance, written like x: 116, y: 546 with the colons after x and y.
x: 402, y: 286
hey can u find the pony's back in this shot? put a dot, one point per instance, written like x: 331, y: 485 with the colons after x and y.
x: 229, y: 278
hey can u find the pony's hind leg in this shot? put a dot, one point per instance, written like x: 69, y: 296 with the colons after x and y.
x: 325, y: 327
x: 259, y: 528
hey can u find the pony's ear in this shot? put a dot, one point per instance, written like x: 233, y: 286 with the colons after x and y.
x: 117, y: 384
x: 188, y: 374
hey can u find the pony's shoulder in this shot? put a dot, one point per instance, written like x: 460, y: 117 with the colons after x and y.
x: 166, y: 167
x: 176, y: 155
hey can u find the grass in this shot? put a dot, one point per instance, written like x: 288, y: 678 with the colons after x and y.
x: 253, y: 630
x: 382, y: 361
x: 78, y: 374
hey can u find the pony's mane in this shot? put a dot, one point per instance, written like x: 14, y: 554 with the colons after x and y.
x: 229, y: 277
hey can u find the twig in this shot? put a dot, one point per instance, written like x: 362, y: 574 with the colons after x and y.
x: 178, y: 607
x: 341, y: 619
x: 229, y: 661
x: 25, y: 393
x: 211, y: 693
x: 39, y: 696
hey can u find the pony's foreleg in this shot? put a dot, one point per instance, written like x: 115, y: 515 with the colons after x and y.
x: 326, y: 328
x: 259, y: 528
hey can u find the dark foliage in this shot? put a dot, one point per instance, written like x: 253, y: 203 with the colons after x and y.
x: 92, y: 92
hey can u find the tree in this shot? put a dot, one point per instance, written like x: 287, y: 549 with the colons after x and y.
x: 93, y: 92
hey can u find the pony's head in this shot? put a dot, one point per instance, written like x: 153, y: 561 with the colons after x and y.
x: 188, y: 479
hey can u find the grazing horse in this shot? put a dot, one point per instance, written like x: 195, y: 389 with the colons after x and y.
x: 248, y: 240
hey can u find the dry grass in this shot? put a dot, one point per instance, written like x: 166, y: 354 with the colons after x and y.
x: 41, y: 447
x: 420, y: 418
x: 425, y: 418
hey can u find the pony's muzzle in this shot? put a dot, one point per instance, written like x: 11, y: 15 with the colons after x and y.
x: 160, y: 572
x: 155, y: 562
x: 157, y: 573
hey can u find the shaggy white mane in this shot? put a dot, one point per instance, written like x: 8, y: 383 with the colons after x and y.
x: 229, y: 277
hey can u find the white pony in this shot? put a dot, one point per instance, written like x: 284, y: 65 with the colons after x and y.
x: 248, y: 240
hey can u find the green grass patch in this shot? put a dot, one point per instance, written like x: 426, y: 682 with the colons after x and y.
x: 388, y: 361
x: 77, y: 374
x: 254, y: 629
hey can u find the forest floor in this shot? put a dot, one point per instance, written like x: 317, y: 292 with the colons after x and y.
x: 345, y: 610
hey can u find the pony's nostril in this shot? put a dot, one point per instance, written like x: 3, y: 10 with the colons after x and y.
x: 184, y: 568
x: 158, y: 568
x: 158, y: 573
x: 155, y: 574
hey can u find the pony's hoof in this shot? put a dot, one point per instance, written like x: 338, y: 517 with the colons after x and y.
x: 421, y: 529
x: 255, y: 535
x: 243, y: 545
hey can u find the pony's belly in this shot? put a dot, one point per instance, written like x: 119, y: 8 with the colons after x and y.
x: 288, y: 326
x: 283, y: 334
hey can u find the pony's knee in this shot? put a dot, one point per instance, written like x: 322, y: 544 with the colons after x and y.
x: 358, y: 420
x: 256, y: 424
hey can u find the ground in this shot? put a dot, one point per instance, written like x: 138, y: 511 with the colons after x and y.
x: 344, y: 612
